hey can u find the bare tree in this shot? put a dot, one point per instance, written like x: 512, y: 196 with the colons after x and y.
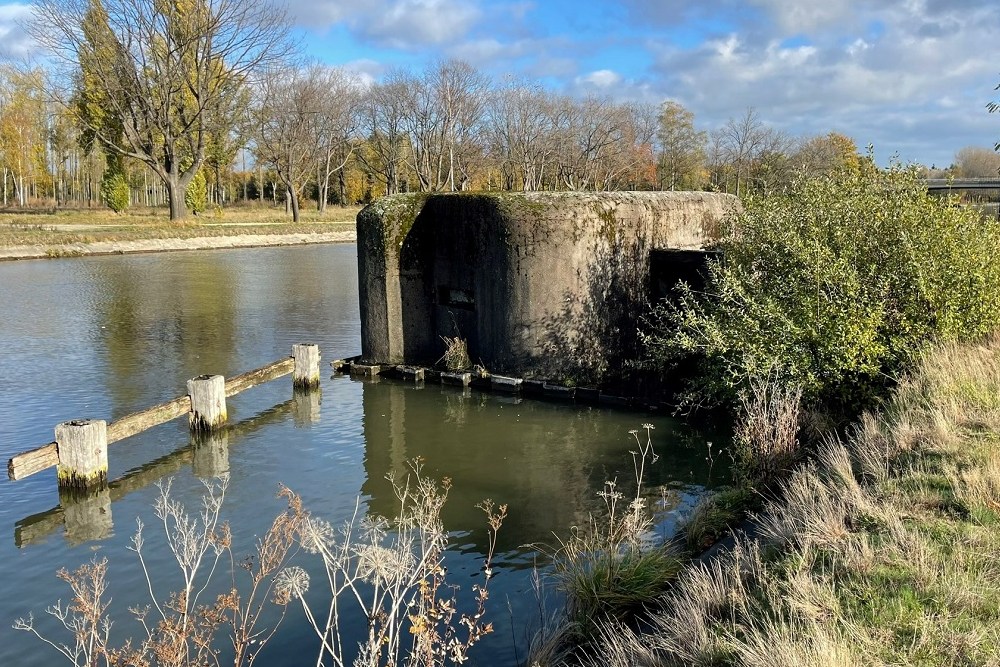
x: 519, y: 126
x: 336, y: 124
x: 290, y: 102
x: 742, y: 139
x: 444, y: 110
x: 977, y: 162
x: 754, y: 153
x: 154, y: 78
x: 383, y: 118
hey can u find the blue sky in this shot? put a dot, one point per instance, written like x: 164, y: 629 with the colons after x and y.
x: 911, y: 77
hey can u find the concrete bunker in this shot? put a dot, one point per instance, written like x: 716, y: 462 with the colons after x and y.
x: 538, y: 284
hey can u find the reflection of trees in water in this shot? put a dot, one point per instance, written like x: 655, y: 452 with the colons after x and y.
x: 547, y: 465
x: 174, y: 322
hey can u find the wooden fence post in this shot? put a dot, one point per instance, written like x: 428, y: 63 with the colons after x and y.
x: 83, y: 453
x: 306, y: 372
x: 208, y: 402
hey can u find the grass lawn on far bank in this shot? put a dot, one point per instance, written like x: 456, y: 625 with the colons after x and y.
x: 100, y: 224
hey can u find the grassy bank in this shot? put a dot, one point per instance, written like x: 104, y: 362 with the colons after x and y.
x: 91, y: 226
x: 885, y: 550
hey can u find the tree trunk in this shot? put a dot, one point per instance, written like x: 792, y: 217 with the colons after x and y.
x: 293, y: 197
x: 175, y: 193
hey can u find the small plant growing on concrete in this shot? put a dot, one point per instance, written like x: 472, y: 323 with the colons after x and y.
x: 456, y: 354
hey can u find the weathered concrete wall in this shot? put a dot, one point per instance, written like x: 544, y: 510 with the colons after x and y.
x: 543, y: 284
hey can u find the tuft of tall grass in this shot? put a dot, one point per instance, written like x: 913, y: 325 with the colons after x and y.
x: 608, y: 569
x: 766, y: 441
x: 713, y: 516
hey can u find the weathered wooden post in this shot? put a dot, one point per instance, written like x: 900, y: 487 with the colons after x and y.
x: 306, y: 372
x: 83, y: 453
x: 208, y: 402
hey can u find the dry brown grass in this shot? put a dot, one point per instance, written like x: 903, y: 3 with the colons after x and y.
x: 88, y: 226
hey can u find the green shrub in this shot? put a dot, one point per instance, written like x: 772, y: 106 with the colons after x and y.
x: 196, y: 195
x: 114, y: 187
x: 834, y: 286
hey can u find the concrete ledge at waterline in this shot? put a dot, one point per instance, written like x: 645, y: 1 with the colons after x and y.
x: 506, y: 385
x: 560, y: 392
x: 456, y: 379
x: 83, y: 453
x: 533, y: 387
x: 616, y: 401
x: 588, y: 395
x: 365, y: 370
x: 412, y: 373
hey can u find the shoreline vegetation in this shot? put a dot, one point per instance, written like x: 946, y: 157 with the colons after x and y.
x: 852, y: 330
x: 881, y: 550
x: 80, y: 232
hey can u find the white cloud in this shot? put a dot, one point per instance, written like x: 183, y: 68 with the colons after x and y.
x: 401, y: 24
x: 14, y: 42
x: 602, y: 78
x: 907, y: 75
x: 366, y: 70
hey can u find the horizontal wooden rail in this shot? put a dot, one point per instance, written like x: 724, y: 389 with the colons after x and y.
x: 40, y: 458
x: 37, y: 527
x: 138, y: 422
x: 238, y: 383
x: 34, y: 460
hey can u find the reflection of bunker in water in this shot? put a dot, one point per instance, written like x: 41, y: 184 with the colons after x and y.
x: 539, y: 284
x: 546, y: 460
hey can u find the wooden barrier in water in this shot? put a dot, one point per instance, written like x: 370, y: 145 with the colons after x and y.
x: 205, y: 454
x: 80, y: 449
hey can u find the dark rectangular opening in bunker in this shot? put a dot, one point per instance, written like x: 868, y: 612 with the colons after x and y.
x: 667, y: 268
x: 453, y: 297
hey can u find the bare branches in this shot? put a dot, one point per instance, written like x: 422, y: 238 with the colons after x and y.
x: 391, y: 572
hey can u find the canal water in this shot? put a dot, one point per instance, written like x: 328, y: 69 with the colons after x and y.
x: 101, y: 337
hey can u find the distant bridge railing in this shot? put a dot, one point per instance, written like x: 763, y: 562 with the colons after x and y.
x: 980, y: 193
x: 939, y: 184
